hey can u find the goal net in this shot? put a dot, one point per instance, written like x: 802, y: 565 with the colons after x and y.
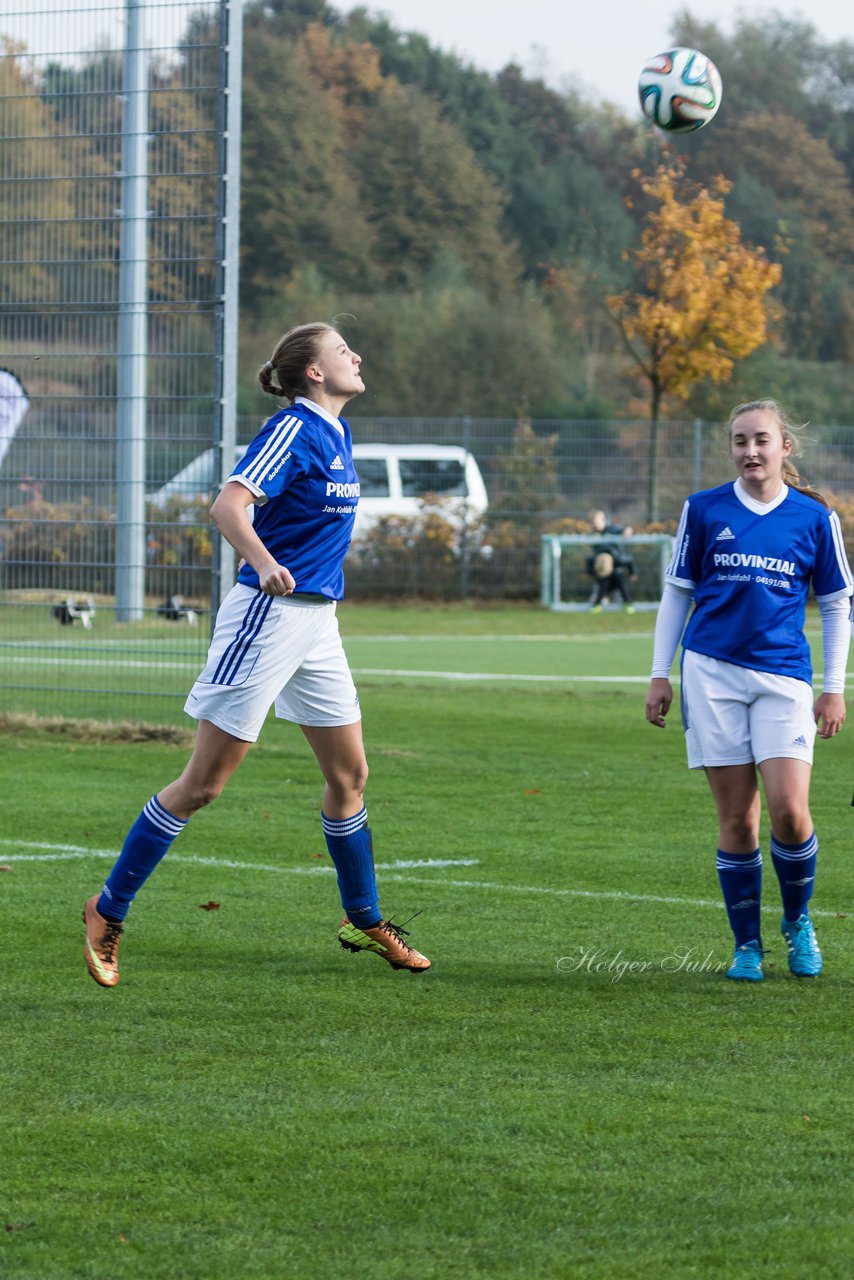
x: 567, y: 575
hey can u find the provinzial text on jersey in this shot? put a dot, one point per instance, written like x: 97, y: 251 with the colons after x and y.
x: 342, y: 490
x: 738, y: 559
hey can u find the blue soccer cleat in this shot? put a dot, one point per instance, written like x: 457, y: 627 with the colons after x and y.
x: 747, y: 963
x: 804, y: 955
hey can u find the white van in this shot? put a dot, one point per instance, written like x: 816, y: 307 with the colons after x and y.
x: 394, y: 480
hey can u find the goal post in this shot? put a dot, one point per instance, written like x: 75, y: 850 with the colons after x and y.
x: 566, y: 584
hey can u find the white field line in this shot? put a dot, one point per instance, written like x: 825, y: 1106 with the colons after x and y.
x: 393, y: 672
x: 125, y: 664
x: 64, y: 853
x: 139, y: 646
x: 818, y: 676
x: 499, y: 675
x: 72, y: 852
x: 98, y: 660
x: 397, y: 673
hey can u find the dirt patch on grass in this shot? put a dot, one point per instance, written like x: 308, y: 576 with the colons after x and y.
x: 94, y: 730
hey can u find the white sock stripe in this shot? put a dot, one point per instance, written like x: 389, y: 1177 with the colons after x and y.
x: 794, y: 855
x: 163, y: 817
x: 727, y: 864
x: 160, y: 817
x: 344, y: 826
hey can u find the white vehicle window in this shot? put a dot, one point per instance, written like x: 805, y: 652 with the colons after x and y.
x: 431, y: 475
x: 373, y: 477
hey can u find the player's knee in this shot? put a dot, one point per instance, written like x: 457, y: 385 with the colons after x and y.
x: 349, y: 783
x: 791, y: 823
x: 357, y: 780
x: 204, y: 792
x: 739, y: 832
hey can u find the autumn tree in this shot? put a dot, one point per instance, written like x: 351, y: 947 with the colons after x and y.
x: 36, y: 193
x: 701, y: 302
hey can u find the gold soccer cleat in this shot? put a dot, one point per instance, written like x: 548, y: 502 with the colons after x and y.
x: 385, y: 939
x: 102, y: 944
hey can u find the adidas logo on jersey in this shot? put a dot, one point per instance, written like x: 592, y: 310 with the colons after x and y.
x: 336, y: 464
x: 725, y: 535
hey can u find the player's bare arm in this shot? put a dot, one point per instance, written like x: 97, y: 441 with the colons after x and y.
x: 229, y: 515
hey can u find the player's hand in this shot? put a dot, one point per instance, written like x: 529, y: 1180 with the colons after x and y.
x: 829, y: 712
x: 659, y: 697
x: 276, y: 581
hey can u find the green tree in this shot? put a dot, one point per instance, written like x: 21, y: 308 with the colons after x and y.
x: 300, y: 205
x: 524, y: 480
x: 427, y: 194
x: 448, y: 348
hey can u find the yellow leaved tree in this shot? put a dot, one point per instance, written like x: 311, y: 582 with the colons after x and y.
x: 701, y: 303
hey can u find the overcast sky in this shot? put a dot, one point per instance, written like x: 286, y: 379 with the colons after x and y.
x: 600, y: 43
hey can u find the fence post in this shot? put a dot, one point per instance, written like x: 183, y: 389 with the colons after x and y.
x: 228, y: 244
x: 465, y: 546
x: 132, y: 328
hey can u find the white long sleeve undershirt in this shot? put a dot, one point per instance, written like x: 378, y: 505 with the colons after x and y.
x: 835, y: 640
x: 673, y: 614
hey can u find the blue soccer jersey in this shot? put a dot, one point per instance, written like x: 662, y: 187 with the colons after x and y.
x: 300, y: 469
x: 750, y: 566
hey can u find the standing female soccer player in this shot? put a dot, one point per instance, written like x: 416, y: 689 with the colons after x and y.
x: 746, y: 554
x: 276, y: 643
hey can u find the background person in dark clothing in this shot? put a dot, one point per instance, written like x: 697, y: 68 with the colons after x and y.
x: 610, y: 565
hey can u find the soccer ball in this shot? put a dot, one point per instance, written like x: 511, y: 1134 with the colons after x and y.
x: 680, y: 90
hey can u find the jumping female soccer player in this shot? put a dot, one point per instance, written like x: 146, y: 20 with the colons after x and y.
x: 746, y: 554
x: 276, y: 643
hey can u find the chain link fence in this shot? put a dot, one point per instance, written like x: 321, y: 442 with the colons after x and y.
x: 116, y: 296
x: 64, y: 651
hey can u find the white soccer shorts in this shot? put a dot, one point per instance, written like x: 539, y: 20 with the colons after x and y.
x: 278, y: 651
x: 733, y: 715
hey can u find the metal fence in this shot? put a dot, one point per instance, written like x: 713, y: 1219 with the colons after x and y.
x: 119, y: 123
x: 64, y: 650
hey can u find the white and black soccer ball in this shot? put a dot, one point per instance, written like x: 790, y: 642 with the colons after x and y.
x: 680, y: 90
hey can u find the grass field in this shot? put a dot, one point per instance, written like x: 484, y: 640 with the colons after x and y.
x: 573, y: 1091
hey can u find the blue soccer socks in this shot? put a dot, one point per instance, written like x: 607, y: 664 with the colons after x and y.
x: 795, y: 867
x: 148, y: 840
x: 740, y: 876
x: 351, y: 849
